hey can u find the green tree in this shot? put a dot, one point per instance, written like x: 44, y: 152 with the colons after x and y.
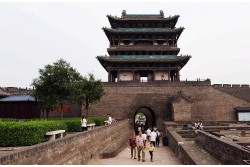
x: 55, y: 85
x: 78, y: 96
x: 93, y: 91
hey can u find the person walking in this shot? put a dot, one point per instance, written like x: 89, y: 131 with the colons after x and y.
x: 153, y: 137
x: 157, y: 142
x: 84, y: 123
x: 141, y: 145
x: 148, y: 133
x: 151, y: 150
x: 132, y: 144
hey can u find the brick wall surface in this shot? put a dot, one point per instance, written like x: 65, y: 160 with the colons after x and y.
x: 182, y: 110
x: 208, y: 103
x: 73, y: 149
x: 228, y: 153
x: 175, y: 142
x: 242, y: 92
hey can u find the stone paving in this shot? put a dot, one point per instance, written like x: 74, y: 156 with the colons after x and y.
x: 163, y: 155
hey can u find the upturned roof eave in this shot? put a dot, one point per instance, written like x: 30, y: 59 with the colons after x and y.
x: 109, y: 59
x: 105, y: 62
x: 164, y: 30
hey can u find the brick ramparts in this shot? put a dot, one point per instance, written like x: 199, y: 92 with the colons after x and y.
x: 239, y: 91
x: 197, y: 101
x: 174, y: 142
x: 228, y: 153
x: 74, y: 149
x: 188, y: 152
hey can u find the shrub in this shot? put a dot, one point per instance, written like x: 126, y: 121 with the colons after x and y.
x: 73, y: 125
x: 26, y: 133
x: 8, y: 120
x: 14, y: 133
x: 99, y: 121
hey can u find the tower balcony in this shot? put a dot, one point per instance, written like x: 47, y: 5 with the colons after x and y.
x: 144, y: 48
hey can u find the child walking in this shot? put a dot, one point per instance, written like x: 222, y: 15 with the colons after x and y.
x: 151, y: 150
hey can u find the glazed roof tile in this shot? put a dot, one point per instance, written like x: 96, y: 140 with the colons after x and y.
x: 143, y: 58
x: 18, y: 98
x: 118, y: 30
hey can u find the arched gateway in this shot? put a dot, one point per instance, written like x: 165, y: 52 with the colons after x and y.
x: 148, y: 121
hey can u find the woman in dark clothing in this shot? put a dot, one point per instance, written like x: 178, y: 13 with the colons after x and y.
x: 132, y: 144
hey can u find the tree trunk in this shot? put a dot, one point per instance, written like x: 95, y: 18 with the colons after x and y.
x: 42, y: 113
x: 47, y: 114
x: 80, y: 108
x: 87, y: 107
x: 61, y: 111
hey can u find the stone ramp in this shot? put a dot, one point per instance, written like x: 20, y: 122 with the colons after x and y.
x: 199, y: 155
x: 162, y: 156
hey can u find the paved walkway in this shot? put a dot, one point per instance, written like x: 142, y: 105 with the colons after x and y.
x: 163, y: 155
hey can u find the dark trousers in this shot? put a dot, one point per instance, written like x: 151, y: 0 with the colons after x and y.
x: 151, y: 155
x: 157, y: 141
x: 133, y: 150
x: 84, y: 128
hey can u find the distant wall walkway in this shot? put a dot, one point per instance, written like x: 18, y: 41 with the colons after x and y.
x: 73, y: 149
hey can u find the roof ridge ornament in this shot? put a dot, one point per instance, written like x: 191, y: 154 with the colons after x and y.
x: 123, y: 12
x: 162, y: 13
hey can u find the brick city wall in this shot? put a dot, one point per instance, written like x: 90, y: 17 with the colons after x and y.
x: 206, y: 102
x: 75, y: 149
x: 239, y: 92
x: 175, y: 142
x: 228, y: 153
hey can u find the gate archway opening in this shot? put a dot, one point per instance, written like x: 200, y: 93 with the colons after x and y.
x: 145, y: 118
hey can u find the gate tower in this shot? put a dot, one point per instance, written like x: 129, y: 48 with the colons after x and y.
x: 143, y: 48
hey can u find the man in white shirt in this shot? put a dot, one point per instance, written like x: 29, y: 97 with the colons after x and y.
x: 144, y: 135
x: 153, y: 137
x: 148, y: 133
x: 157, y: 138
x: 141, y: 145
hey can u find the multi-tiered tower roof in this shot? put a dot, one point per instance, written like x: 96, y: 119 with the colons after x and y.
x: 143, y: 47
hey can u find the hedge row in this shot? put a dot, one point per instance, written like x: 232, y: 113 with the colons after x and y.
x: 74, y: 124
x: 26, y: 133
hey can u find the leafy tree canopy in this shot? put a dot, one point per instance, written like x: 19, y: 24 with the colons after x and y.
x: 60, y: 84
x: 55, y: 85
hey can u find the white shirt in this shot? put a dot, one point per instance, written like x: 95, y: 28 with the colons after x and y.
x: 84, y: 122
x: 148, y: 132
x: 109, y: 120
x: 139, y: 128
x: 153, y: 136
x: 144, y: 136
x: 140, y: 140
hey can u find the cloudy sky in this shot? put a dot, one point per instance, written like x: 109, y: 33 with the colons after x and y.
x: 216, y: 35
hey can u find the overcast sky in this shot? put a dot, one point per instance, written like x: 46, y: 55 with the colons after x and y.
x: 216, y: 35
